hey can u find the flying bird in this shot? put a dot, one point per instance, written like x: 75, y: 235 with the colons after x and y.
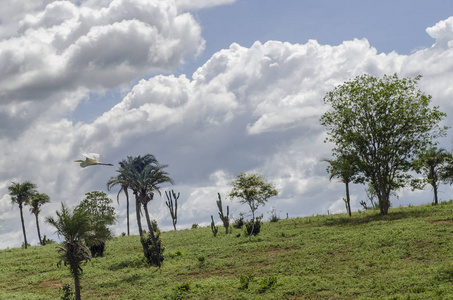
x: 91, y: 159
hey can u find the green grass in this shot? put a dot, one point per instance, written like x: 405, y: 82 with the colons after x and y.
x: 407, y: 254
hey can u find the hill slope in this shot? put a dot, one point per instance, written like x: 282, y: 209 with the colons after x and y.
x: 406, y: 254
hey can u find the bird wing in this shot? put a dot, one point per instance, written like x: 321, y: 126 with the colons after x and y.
x: 92, y: 157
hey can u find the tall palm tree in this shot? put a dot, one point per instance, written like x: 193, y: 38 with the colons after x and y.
x: 118, y: 180
x: 142, y: 175
x: 21, y: 194
x: 37, y: 201
x: 74, y: 226
x: 344, y: 168
x: 431, y: 164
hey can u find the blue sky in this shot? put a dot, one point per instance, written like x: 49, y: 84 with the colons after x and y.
x: 211, y: 87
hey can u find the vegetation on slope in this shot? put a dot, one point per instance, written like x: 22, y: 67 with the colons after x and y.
x: 406, y: 254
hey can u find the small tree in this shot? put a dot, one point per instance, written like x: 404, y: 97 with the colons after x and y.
x: 98, y: 206
x: 225, y: 218
x: 73, y: 226
x: 21, y: 194
x: 37, y: 201
x: 384, y: 123
x: 253, y: 190
x: 343, y: 167
x: 431, y: 164
x: 172, y: 206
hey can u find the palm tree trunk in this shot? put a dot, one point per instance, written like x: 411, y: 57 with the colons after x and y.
x: 151, y: 232
x: 23, y: 225
x: 127, y: 210
x: 76, y: 284
x: 137, y: 213
x: 435, y: 193
x: 39, y: 233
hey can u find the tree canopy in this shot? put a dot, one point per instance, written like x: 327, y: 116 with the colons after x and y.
x: 384, y: 123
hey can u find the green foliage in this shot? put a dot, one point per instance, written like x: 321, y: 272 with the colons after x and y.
x: 21, y: 194
x: 154, y: 253
x: 383, y: 123
x: 274, y: 217
x: 239, y: 222
x: 194, y: 226
x: 66, y: 292
x: 254, y: 190
x: 253, y: 226
x: 433, y: 165
x: 98, y: 206
x: 245, y: 280
x: 405, y: 254
x: 267, y: 283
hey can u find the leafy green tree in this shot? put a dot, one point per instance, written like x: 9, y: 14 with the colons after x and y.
x: 254, y: 190
x: 36, y: 202
x: 344, y: 168
x: 384, y: 122
x: 98, y: 205
x: 21, y: 194
x: 432, y: 164
x: 74, y: 226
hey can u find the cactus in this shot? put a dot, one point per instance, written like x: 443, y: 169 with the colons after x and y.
x: 172, y: 206
x: 225, y: 219
x: 214, y: 228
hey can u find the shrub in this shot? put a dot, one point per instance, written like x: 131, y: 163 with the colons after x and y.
x: 245, y: 280
x: 256, y: 226
x: 153, y: 256
x: 194, y: 226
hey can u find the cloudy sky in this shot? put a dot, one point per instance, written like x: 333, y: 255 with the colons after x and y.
x: 210, y: 87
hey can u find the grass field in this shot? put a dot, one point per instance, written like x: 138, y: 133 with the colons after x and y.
x: 407, y: 254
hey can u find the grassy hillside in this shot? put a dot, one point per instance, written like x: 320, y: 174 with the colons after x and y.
x: 407, y: 254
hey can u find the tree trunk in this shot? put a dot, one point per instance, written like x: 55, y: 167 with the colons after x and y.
x: 23, y: 225
x: 436, y: 201
x: 348, y: 199
x: 76, y: 283
x: 151, y: 232
x: 127, y: 211
x: 253, y: 224
x: 39, y: 233
x: 137, y: 213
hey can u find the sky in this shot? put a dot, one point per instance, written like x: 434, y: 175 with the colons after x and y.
x: 210, y: 87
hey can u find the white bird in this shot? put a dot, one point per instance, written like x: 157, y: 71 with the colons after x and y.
x: 91, y: 159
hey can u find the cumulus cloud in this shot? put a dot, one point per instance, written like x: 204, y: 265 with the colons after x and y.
x: 192, y: 5
x: 251, y: 109
x: 67, y: 47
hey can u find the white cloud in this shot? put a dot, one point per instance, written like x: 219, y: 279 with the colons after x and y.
x: 251, y: 109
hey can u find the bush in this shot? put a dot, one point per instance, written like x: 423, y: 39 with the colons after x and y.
x: 194, y: 226
x: 153, y: 256
x: 239, y: 222
x: 256, y: 226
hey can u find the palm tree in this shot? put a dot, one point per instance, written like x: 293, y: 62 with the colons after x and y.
x: 114, y: 180
x: 431, y: 164
x: 21, y: 193
x: 74, y: 227
x: 143, y: 175
x: 36, y: 202
x: 345, y: 169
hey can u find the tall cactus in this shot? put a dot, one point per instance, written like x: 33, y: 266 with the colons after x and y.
x: 225, y: 219
x: 172, y: 206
